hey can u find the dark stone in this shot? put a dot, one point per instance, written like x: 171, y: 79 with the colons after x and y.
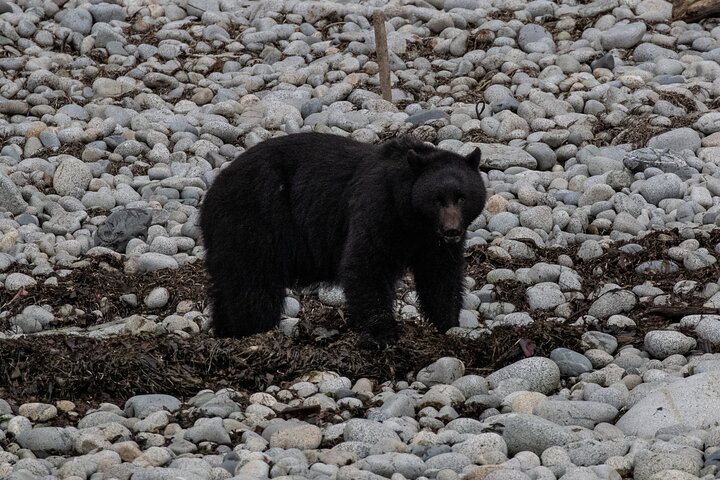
x: 606, y: 61
x: 122, y: 226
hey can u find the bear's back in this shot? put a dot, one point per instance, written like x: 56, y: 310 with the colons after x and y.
x: 310, y: 150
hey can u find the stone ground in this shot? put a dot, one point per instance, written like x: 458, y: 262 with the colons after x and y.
x: 590, y: 324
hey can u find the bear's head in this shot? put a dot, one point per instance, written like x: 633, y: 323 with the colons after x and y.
x: 448, y: 192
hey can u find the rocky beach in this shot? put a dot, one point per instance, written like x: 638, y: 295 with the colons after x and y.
x: 591, y: 314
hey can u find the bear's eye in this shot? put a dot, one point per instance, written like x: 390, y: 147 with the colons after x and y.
x: 460, y: 200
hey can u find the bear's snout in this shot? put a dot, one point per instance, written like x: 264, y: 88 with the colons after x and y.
x: 451, y: 227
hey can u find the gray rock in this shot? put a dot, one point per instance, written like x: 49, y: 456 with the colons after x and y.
x: 65, y: 222
x: 500, y: 157
x: 667, y: 161
x: 471, y: 385
x: 311, y: 106
x: 333, y: 296
x: 224, y: 131
x: 291, y: 307
x: 164, y: 245
x: 208, y: 430
x: 74, y: 111
x: 623, y: 36
x: 367, y: 431
x: 543, y: 154
x: 590, y: 249
x: 596, y: 194
x: 157, y: 298
x: 659, y: 187
x: 468, y: 425
x: 39, y: 314
x: 541, y: 374
x: 647, y: 464
x: 503, y: 222
x: 26, y: 324
x: 6, y: 261
x: 395, y: 406
x: 220, y: 406
x: 105, y: 34
x: 386, y: 464
x: 601, y: 341
x: 534, y: 38
x: 580, y: 413
x: 292, y: 434
x: 439, y: 22
x: 164, y: 473
x: 698, y: 260
x: 662, y: 266
x: 612, y: 302
x: 424, y: 116
x: 103, y: 200
x: 448, y: 461
x: 708, y: 330
x: 626, y: 223
x: 507, y: 474
x: 121, y: 226
x: 441, y: 395
x: 677, y: 140
x: 537, y: 218
x: 152, y: 262
x: 545, y: 296
x: 141, y: 406
x: 595, y: 452
x: 523, y: 432
x: 71, y: 176
x: 698, y: 395
x: 443, y: 371
x: 709, y: 123
x: 11, y: 199
x: 663, y: 343
x: 619, y: 179
x: 49, y: 139
x: 475, y: 446
x: 76, y: 19
x: 107, y: 12
x: 465, y: 4
x: 16, y: 281
x: 571, y: 363
x: 649, y: 52
x: 13, y: 107
x: 606, y: 61
x: 47, y: 439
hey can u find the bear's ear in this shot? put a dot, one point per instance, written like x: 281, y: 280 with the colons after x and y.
x: 473, y: 158
x: 416, y: 162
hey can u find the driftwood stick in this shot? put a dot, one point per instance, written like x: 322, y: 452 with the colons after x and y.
x: 680, y: 311
x: 383, y: 57
x: 694, y: 10
x: 301, y: 411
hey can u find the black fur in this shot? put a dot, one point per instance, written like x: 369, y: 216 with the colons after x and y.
x: 307, y: 208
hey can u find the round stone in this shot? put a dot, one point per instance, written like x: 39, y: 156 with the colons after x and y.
x: 157, y: 298
x: 663, y: 343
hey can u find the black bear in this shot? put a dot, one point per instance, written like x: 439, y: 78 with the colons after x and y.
x: 311, y: 208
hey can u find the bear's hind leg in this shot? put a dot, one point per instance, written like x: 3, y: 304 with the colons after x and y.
x: 219, y: 319
x: 246, y: 306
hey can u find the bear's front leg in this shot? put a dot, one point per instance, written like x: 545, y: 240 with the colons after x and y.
x: 439, y: 276
x: 369, y: 292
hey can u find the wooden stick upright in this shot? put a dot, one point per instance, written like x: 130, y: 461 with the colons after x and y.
x: 383, y: 58
x: 694, y: 10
